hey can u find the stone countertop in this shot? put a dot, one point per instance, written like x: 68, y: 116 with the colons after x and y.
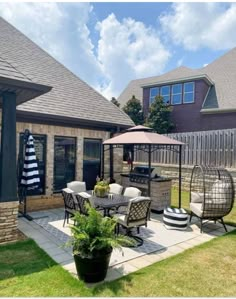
x: 158, y: 179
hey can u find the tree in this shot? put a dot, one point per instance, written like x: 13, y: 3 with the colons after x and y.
x: 114, y: 101
x: 159, y: 116
x: 134, y: 109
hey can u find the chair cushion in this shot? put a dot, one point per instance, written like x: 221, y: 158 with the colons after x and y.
x: 197, y: 197
x: 221, y: 192
x: 77, y: 186
x: 121, y: 219
x: 175, y: 218
x: 196, y: 208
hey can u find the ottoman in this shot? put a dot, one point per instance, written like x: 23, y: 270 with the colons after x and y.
x: 175, y: 218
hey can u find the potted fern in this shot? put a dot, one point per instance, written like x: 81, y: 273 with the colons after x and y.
x: 93, y: 239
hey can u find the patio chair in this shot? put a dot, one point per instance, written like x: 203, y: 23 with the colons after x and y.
x: 211, y: 194
x: 137, y: 215
x: 82, y: 199
x: 77, y: 186
x: 132, y: 192
x: 69, y: 203
x: 115, y: 188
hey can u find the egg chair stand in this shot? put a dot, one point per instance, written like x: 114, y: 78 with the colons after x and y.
x: 211, y: 194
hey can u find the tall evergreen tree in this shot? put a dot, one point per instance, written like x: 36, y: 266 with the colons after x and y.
x: 134, y: 109
x: 114, y: 101
x: 159, y: 116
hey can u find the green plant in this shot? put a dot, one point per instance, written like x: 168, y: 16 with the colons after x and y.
x: 135, y: 111
x: 94, y: 233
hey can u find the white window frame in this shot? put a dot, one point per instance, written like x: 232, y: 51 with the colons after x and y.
x: 187, y: 92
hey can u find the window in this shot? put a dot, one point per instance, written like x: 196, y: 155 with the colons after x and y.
x: 40, y: 143
x: 188, y: 92
x: 176, y: 97
x: 64, y: 161
x: 91, y: 161
x: 153, y: 93
x: 165, y: 93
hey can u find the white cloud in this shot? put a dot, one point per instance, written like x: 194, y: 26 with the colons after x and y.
x: 196, y: 25
x: 128, y: 50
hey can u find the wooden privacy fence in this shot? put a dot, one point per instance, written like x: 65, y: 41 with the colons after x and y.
x: 216, y: 148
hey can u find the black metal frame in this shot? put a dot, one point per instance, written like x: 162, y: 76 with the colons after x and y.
x: 149, y: 148
x: 217, y: 202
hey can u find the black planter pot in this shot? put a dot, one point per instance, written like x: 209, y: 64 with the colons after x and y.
x: 93, y: 269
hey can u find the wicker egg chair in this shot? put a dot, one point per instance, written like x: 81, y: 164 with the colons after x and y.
x: 211, y: 194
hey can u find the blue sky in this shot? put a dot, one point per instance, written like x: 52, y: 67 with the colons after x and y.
x: 108, y: 44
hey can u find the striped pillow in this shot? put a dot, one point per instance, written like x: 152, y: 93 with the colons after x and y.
x: 175, y: 218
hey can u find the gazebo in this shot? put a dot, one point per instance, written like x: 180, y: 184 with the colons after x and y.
x: 142, y: 138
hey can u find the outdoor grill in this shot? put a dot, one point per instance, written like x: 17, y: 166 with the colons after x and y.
x: 140, y: 174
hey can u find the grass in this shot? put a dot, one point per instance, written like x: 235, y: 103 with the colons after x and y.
x: 229, y: 219
x: 206, y: 270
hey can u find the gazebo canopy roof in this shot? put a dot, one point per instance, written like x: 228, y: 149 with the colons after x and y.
x: 141, y: 135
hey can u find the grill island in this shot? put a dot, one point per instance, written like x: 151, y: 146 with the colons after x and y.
x: 142, y: 138
x: 160, y: 187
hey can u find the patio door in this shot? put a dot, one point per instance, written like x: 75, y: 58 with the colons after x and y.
x: 64, y: 162
x: 91, y: 161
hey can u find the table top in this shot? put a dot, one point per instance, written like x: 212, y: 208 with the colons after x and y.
x: 106, y: 202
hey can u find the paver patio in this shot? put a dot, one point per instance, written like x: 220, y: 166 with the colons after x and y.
x: 159, y: 243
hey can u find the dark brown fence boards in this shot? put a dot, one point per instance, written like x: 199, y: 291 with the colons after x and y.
x: 216, y: 148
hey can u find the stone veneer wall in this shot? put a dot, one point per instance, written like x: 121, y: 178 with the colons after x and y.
x: 8, y: 221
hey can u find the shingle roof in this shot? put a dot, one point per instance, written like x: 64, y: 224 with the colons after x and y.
x: 222, y: 73
x: 70, y: 96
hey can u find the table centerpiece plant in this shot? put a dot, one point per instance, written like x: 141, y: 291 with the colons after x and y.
x: 101, y: 188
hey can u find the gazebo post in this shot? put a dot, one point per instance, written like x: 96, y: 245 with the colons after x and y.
x: 149, y: 169
x: 111, y: 172
x: 103, y: 159
x: 180, y: 174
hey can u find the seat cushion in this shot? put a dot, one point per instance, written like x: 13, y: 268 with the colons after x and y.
x: 175, y: 218
x: 121, y: 219
x: 196, y: 208
x: 197, y: 197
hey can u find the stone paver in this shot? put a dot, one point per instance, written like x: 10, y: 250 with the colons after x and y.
x: 63, y: 255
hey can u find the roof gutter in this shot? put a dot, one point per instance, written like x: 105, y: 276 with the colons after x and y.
x: 217, y: 110
x: 205, y: 77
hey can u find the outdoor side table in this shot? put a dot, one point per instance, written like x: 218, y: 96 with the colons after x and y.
x: 175, y: 218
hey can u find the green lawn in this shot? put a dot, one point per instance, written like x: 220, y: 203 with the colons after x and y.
x: 229, y: 219
x: 206, y: 270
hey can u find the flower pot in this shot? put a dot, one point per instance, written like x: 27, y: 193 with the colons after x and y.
x: 101, y: 192
x: 93, y: 269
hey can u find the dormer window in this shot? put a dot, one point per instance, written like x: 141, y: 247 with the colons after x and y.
x: 188, y: 96
x: 165, y: 93
x: 176, y: 96
x: 153, y: 93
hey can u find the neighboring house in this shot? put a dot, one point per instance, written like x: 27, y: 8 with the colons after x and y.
x: 68, y: 123
x: 202, y: 99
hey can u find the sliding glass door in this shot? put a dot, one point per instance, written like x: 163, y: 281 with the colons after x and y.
x: 91, y: 161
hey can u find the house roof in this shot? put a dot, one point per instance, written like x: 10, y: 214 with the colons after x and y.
x: 12, y: 80
x: 70, y: 97
x: 220, y: 75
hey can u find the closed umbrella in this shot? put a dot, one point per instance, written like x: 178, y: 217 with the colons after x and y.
x: 30, y: 175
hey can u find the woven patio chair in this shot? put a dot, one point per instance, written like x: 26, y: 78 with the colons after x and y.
x: 211, y: 194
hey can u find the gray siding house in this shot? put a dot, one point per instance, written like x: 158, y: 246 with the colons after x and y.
x: 202, y: 99
x: 68, y: 123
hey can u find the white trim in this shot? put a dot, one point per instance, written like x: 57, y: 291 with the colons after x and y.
x: 206, y: 96
x: 217, y: 110
x: 166, y: 82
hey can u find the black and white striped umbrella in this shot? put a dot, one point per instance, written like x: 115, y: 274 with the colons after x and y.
x: 30, y: 175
